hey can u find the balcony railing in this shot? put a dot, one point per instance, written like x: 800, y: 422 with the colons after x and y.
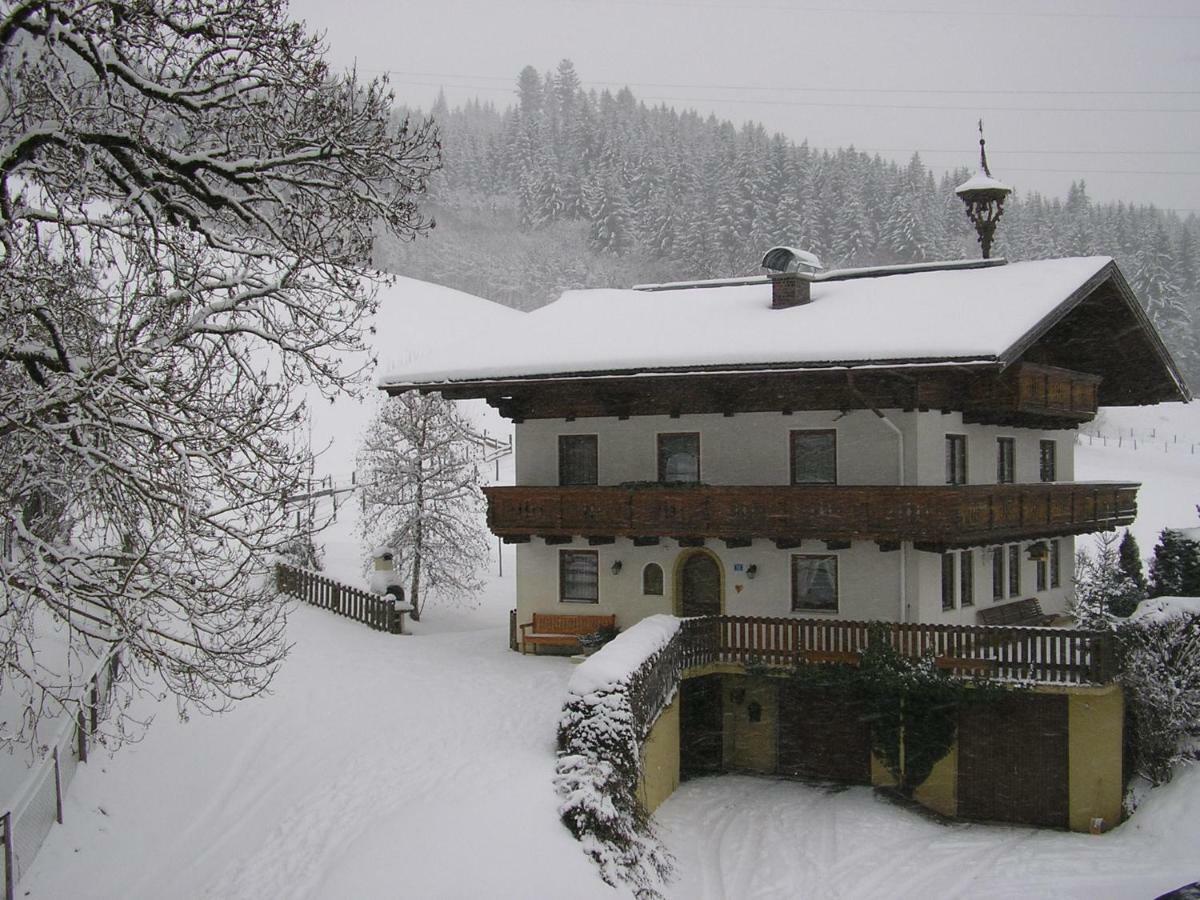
x: 1054, y: 656
x: 943, y: 516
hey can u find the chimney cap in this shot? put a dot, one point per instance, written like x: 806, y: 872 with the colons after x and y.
x: 789, y: 259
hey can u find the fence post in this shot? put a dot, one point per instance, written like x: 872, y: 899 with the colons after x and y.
x: 57, y: 789
x: 81, y: 735
x: 9, y: 887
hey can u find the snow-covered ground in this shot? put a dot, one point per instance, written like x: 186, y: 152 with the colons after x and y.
x: 422, y: 766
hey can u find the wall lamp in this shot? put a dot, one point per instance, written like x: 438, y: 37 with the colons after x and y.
x: 751, y: 571
x: 1036, y: 550
x: 616, y: 567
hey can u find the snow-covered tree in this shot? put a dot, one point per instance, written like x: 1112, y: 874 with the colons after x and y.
x: 1129, y: 559
x: 187, y: 203
x: 421, y: 496
x: 1175, y: 566
x: 1102, y: 590
x: 1161, y: 677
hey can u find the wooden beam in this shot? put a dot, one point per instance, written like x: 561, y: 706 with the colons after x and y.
x: 552, y: 539
x: 734, y: 543
x: 596, y: 540
x: 688, y: 541
x: 646, y: 541
x: 888, y: 546
x: 516, y: 538
x: 837, y: 545
x: 787, y: 543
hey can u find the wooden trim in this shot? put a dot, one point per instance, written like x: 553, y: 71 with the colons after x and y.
x: 934, y: 517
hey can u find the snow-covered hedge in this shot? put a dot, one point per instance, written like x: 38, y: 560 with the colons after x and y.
x: 1161, y: 677
x: 604, y: 721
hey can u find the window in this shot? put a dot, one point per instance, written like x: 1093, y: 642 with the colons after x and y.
x: 997, y: 574
x: 577, y: 459
x: 1006, y: 460
x: 1014, y: 569
x: 578, y: 576
x: 958, y: 574
x: 1048, y: 460
x: 1040, y: 571
x: 956, y: 459
x: 652, y: 580
x: 814, y: 583
x: 679, y: 457
x: 1055, y: 580
x: 966, y: 578
x: 948, y: 580
x: 814, y: 457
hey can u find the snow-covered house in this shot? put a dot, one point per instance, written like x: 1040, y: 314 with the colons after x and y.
x: 888, y: 444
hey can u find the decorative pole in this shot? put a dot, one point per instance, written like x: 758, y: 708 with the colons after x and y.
x: 984, y: 197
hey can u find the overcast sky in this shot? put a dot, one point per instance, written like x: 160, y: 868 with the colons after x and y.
x: 1103, y: 90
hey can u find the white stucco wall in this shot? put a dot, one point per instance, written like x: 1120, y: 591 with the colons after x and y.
x: 747, y: 448
x: 753, y: 449
x: 925, y: 579
x: 868, y: 580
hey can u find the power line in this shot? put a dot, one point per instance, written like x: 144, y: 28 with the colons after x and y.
x: 841, y: 104
x: 511, y: 82
x: 844, y: 105
x: 860, y: 10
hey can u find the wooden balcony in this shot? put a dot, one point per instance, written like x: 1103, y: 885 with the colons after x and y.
x: 1033, y: 395
x: 934, y: 517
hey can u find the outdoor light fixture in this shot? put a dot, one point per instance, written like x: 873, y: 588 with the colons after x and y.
x: 751, y: 571
x: 616, y: 567
x: 984, y: 197
x: 1036, y: 550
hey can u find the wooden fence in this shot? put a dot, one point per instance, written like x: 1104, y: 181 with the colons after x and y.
x: 1038, y: 655
x: 373, y: 610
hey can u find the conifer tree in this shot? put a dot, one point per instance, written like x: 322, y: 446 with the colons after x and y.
x: 1129, y: 558
x: 1175, y: 567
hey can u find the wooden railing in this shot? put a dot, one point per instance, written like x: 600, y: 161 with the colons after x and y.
x: 1037, y: 655
x: 373, y: 610
x: 946, y: 515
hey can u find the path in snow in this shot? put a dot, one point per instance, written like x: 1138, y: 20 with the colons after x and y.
x: 381, y: 766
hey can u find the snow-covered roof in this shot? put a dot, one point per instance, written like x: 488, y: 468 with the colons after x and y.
x: 1160, y: 609
x: 982, y: 181
x: 960, y: 316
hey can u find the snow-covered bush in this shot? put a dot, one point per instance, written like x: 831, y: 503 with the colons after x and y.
x: 1103, y: 590
x: 600, y: 734
x: 1161, y: 677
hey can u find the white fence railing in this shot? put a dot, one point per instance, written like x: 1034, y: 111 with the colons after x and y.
x: 39, y: 803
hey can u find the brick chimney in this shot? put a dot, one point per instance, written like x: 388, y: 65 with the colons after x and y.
x: 789, y: 289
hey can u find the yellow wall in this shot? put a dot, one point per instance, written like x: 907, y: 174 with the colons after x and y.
x: 939, y: 791
x: 750, y: 745
x: 1096, y: 720
x: 660, y: 758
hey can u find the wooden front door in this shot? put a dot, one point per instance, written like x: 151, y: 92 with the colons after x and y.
x: 1013, y: 760
x: 823, y: 733
x: 700, y: 586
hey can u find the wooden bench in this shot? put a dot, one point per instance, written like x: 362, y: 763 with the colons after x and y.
x: 558, y: 630
x: 1020, y: 612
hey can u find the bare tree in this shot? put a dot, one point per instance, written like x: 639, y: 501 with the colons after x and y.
x: 421, y: 496
x: 187, y: 203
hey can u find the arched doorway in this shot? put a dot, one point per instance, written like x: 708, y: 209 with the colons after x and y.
x: 699, y: 585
